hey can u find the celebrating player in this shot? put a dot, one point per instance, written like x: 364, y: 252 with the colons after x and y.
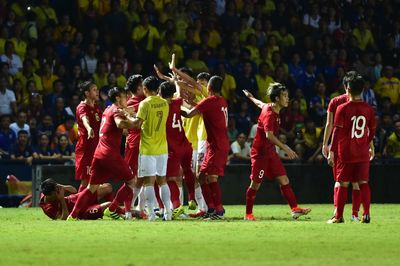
x: 265, y: 162
x: 352, y: 145
x: 88, y: 116
x: 332, y: 107
x: 215, y: 115
x: 108, y: 161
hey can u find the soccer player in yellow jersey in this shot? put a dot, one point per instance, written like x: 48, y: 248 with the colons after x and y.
x: 153, y: 150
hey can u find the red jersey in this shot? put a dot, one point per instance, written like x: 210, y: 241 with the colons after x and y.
x: 53, y: 208
x: 110, y: 136
x: 355, y: 128
x: 335, y: 102
x: 176, y: 137
x: 267, y: 121
x: 133, y: 138
x: 93, y: 114
x: 215, y: 116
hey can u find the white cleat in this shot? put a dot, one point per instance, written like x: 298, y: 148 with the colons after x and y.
x: 355, y: 219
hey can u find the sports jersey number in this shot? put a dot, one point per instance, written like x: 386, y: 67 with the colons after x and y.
x: 225, y: 111
x: 358, y: 129
x: 176, y: 123
x: 103, y: 121
x: 159, y: 114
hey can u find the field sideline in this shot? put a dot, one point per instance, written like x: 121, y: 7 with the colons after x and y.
x: 27, y: 237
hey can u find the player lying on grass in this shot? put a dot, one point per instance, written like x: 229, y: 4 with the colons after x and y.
x: 56, y: 205
x: 352, y: 144
x: 265, y: 161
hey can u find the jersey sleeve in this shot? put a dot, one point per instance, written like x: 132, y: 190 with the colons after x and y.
x: 339, y: 118
x: 269, y: 122
x: 142, y: 111
x: 372, y: 125
x: 235, y: 148
x: 203, y: 106
x: 81, y: 112
x: 332, y: 105
x: 50, y: 210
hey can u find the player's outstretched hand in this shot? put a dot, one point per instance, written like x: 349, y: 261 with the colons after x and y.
x: 248, y: 94
x: 325, y: 151
x: 291, y: 154
x: 90, y: 133
x: 330, y: 158
x: 172, y: 63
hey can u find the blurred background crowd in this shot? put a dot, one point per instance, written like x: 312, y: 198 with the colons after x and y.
x: 47, y: 47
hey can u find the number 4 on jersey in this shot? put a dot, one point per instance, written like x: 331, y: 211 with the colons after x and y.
x: 176, y: 123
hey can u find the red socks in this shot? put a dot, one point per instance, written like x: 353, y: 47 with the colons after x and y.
x: 173, y: 187
x: 125, y: 195
x: 335, y: 193
x: 205, y: 189
x: 189, y: 181
x: 216, y: 195
x: 287, y: 193
x: 82, y: 203
x: 250, y: 197
x: 81, y: 188
x: 356, y: 201
x: 365, y: 192
x: 157, y: 192
x: 341, y: 201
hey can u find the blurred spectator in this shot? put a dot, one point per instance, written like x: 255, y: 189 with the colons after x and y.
x: 28, y: 74
x: 363, y: 36
x: 119, y: 74
x: 145, y: 34
x: 45, y: 14
x: 308, y: 143
x: 21, y: 150
x: 240, y: 150
x: 368, y: 95
x: 319, y: 104
x: 8, y: 104
x: 43, y: 150
x: 232, y: 130
x: 282, y: 154
x: 392, y: 149
x: 243, y: 118
x: 48, y: 78
x: 20, y: 124
x: 89, y: 60
x: 46, y: 126
x: 292, y: 120
x: 64, y: 149
x: 7, y: 136
x: 14, y: 61
x: 59, y: 112
x: 263, y: 82
x: 100, y: 76
x: 195, y: 63
x: 388, y: 85
x: 228, y: 90
x: 68, y: 128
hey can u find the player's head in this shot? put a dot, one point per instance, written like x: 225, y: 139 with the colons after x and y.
x: 203, y: 78
x: 356, y: 85
x: 278, y: 94
x: 167, y: 89
x: 48, y: 187
x: 215, y: 85
x: 150, y: 86
x: 88, y: 90
x: 118, y: 96
x: 347, y: 77
x: 135, y: 84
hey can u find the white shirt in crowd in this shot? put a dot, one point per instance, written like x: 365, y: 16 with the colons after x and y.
x: 5, y: 102
x: 253, y: 132
x: 89, y: 64
x: 14, y: 127
x: 245, y: 151
x: 15, y: 63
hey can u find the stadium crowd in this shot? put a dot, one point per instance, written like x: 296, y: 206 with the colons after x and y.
x: 47, y: 47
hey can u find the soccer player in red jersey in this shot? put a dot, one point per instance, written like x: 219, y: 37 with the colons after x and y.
x: 265, y: 161
x: 215, y: 115
x: 56, y: 205
x: 107, y: 161
x: 88, y: 115
x: 179, y: 149
x: 352, y: 145
x: 332, y: 107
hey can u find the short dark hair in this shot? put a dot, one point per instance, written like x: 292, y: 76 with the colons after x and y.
x: 215, y: 83
x: 274, y: 90
x: 23, y: 132
x: 151, y: 83
x: 187, y: 71
x: 204, y: 75
x: 349, y: 75
x: 167, y: 89
x: 133, y: 83
x: 114, y: 92
x: 85, y: 86
x: 48, y: 186
x: 356, y: 84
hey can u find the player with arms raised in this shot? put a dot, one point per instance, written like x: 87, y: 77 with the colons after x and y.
x: 354, y: 131
x: 265, y: 162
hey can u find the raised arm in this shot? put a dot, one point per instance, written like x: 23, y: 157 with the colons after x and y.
x: 257, y: 102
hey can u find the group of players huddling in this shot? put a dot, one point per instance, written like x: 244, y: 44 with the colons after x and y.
x: 162, y: 148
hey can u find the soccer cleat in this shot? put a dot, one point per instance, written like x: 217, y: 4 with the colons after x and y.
x: 249, y: 217
x: 354, y: 218
x: 167, y: 216
x: 192, y: 205
x: 366, y: 219
x: 110, y: 214
x: 198, y: 214
x: 71, y: 219
x: 216, y: 216
x: 158, y: 212
x: 152, y: 217
x: 177, y: 212
x: 297, y: 212
x: 128, y: 216
x: 144, y: 215
x: 334, y: 220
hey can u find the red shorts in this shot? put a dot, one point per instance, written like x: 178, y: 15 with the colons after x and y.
x: 94, y: 212
x: 266, y: 166
x: 352, y: 172
x: 334, y: 168
x: 82, y: 167
x: 214, y: 162
x: 176, y: 159
x: 103, y: 169
x: 132, y: 158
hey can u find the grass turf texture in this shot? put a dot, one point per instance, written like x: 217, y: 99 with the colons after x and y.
x: 27, y: 237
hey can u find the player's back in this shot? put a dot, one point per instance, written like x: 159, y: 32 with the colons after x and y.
x: 110, y: 135
x: 356, y: 120
x: 154, y: 111
x: 268, y: 120
x: 133, y: 137
x: 336, y: 102
x: 175, y: 134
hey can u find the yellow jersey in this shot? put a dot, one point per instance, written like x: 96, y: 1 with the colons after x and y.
x: 153, y: 136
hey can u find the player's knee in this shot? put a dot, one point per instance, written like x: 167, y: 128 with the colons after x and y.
x: 283, y: 180
x: 255, y: 185
x: 139, y: 182
x: 212, y: 179
x: 355, y: 186
x: 161, y: 180
x: 344, y: 184
x: 107, y: 188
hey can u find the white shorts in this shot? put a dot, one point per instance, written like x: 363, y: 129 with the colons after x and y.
x: 201, y: 152
x: 194, y: 161
x: 152, y: 165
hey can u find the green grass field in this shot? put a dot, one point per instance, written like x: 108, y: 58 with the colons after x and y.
x: 27, y: 237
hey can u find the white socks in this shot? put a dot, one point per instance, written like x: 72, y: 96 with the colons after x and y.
x: 181, y: 195
x: 200, y: 199
x: 136, y: 192
x: 165, y: 196
x: 150, y: 199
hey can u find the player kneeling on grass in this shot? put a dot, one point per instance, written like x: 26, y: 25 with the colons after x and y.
x: 265, y: 161
x: 352, y: 144
x: 56, y: 205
